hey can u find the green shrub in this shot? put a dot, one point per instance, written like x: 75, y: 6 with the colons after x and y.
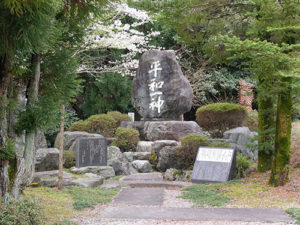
x: 219, y: 145
x: 102, y: 124
x: 126, y: 139
x: 252, y: 120
x: 22, y: 212
x: 69, y: 159
x: 187, y: 151
x: 79, y: 126
x: 119, y: 117
x: 221, y: 116
x: 242, y: 164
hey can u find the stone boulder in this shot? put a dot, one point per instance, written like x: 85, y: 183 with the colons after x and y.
x: 138, y: 125
x: 104, y: 171
x: 71, y: 137
x: 46, y: 159
x: 142, y: 166
x: 142, y: 155
x: 178, y: 175
x: 160, y: 90
x: 167, y: 158
x: 239, y: 138
x: 144, y: 146
x: 158, y: 145
x: 170, y: 130
x: 119, y: 161
x: 89, y: 182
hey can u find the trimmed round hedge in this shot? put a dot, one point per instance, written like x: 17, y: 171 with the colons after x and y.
x: 126, y: 139
x: 187, y: 151
x: 221, y: 116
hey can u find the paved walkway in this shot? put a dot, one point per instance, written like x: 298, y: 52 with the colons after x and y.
x: 149, y: 204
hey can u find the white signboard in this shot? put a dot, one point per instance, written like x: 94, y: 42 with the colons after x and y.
x: 215, y: 155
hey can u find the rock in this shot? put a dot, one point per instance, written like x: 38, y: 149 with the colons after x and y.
x: 170, y: 130
x: 71, y: 137
x: 159, y: 76
x: 104, y: 171
x: 111, y: 185
x: 40, y: 140
x: 114, y: 152
x: 169, y: 174
x: 46, y: 159
x: 167, y: 158
x: 158, y: 145
x: 122, y: 168
x: 128, y: 156
x: 50, y: 174
x: 89, y: 182
x: 239, y: 138
x: 142, y: 166
x: 50, y: 178
x: 138, y: 125
x: 142, y: 155
x: 178, y: 175
x: 144, y: 146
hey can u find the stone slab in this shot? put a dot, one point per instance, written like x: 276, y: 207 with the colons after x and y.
x: 214, y: 165
x: 91, y: 152
x: 89, y: 182
x: 143, y: 177
x: 199, y: 214
x: 140, y: 196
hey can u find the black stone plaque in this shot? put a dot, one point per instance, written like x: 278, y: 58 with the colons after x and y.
x: 214, y: 165
x: 91, y: 152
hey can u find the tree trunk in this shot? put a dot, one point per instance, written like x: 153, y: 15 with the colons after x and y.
x: 6, y: 77
x: 280, y: 167
x: 26, y: 163
x: 265, y: 131
x: 61, y: 148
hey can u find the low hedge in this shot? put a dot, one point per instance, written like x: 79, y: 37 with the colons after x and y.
x: 104, y: 124
x: 186, y: 153
x: 126, y: 139
x: 221, y: 116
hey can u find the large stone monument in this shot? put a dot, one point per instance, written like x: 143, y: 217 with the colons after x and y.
x: 161, y: 94
x: 160, y: 90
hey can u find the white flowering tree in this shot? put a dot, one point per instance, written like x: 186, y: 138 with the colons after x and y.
x: 123, y: 28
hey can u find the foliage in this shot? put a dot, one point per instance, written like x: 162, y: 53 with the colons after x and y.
x: 22, y: 212
x: 221, y: 116
x: 126, y: 139
x: 219, y: 145
x: 216, y: 85
x: 205, y: 195
x: 252, y: 120
x: 88, y: 197
x: 187, y: 151
x: 8, y: 150
x: 102, y: 124
x: 107, y: 92
x: 242, y: 164
x: 119, y: 117
x: 69, y: 159
x: 79, y: 125
x: 294, y: 212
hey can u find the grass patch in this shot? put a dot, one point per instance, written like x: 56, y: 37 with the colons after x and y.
x: 205, y: 195
x: 62, y: 205
x: 57, y: 205
x: 88, y: 197
x: 294, y: 212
